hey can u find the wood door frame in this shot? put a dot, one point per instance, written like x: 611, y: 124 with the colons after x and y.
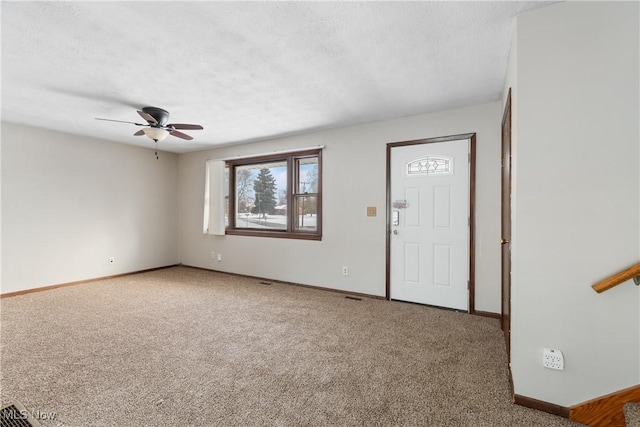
x: 472, y: 207
x: 505, y: 216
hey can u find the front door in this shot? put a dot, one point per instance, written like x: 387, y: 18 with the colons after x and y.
x: 429, y: 209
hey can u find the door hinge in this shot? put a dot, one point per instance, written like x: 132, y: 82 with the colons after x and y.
x: 468, y: 284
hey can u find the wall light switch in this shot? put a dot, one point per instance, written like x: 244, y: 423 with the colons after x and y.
x: 371, y: 211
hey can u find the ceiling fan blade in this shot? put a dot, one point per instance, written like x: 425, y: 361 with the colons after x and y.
x: 140, y: 132
x: 121, y: 121
x: 148, y: 117
x: 185, y: 126
x: 181, y: 135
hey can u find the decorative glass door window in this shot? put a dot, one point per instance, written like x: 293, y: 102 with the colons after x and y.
x: 431, y: 165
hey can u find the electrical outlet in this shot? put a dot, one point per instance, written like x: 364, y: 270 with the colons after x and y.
x: 112, y: 260
x: 345, y: 271
x: 213, y: 254
x: 219, y: 257
x: 552, y: 359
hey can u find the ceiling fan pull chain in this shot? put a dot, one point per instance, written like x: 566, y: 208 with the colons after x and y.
x: 156, y: 142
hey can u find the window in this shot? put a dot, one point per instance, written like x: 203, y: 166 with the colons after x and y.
x: 276, y: 196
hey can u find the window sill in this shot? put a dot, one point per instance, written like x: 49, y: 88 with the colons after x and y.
x: 274, y: 234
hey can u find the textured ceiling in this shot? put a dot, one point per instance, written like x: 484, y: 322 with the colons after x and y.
x: 247, y: 70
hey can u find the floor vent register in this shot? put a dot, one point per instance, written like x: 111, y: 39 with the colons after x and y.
x: 16, y: 415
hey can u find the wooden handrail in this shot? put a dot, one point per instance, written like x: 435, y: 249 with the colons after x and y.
x: 616, y: 279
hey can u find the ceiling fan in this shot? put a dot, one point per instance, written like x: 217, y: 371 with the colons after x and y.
x: 157, y: 127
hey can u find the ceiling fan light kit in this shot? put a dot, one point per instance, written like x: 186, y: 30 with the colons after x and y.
x: 157, y: 134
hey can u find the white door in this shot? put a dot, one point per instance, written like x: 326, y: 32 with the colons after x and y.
x: 430, y: 224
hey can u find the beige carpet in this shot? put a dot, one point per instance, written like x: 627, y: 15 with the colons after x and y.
x: 187, y: 347
x: 632, y: 414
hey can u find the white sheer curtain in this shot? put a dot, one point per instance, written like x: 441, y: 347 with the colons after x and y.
x: 214, y: 203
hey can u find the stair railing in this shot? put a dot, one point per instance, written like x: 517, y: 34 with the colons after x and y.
x: 632, y: 272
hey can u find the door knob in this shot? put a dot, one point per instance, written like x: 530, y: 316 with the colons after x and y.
x: 504, y: 241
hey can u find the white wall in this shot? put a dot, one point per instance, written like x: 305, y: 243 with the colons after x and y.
x: 354, y: 163
x: 576, y: 199
x: 70, y: 202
